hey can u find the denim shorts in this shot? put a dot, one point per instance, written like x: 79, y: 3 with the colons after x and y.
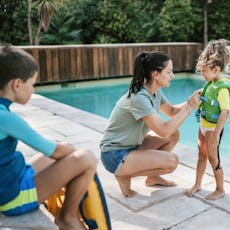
x: 26, y: 200
x: 113, y: 159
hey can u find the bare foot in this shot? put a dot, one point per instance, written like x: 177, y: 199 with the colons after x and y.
x: 215, y: 195
x: 125, y: 183
x: 190, y: 192
x: 157, y: 180
x: 72, y: 223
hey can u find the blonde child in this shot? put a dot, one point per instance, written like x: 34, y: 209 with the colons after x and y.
x: 214, y: 112
x: 25, y: 185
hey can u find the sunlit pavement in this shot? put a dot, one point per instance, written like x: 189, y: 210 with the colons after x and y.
x: 153, y: 207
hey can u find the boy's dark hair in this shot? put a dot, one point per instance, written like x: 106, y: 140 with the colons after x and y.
x: 15, y: 63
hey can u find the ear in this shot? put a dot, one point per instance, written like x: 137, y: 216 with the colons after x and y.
x: 155, y: 75
x: 16, y: 83
x: 217, y: 69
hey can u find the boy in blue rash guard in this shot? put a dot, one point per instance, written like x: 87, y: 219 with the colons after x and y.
x: 23, y: 186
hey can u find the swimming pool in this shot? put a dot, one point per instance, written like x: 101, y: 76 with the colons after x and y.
x: 99, y: 97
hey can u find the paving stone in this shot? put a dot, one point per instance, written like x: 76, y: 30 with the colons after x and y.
x: 212, y: 219
x: 167, y: 213
x: 40, y: 219
x: 222, y: 203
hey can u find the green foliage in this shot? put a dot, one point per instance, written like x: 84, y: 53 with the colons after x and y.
x: 113, y: 21
x: 218, y: 19
x: 13, y: 22
x: 178, y: 21
x: 60, y: 32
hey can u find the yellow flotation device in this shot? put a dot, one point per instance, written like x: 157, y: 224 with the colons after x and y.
x: 93, y: 210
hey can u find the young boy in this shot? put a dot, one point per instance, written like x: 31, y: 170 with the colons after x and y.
x: 214, y: 112
x: 25, y: 185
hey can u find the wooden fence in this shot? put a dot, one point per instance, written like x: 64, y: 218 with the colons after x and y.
x: 84, y: 62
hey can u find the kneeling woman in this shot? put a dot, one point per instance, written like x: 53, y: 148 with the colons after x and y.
x: 137, y: 142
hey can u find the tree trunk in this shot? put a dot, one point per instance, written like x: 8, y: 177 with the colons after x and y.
x: 29, y: 22
x: 205, y: 24
x: 37, y: 38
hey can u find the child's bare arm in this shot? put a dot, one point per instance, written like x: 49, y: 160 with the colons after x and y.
x: 219, y: 127
x: 221, y: 121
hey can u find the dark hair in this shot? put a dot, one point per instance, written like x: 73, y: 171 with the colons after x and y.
x: 15, y: 63
x: 145, y: 64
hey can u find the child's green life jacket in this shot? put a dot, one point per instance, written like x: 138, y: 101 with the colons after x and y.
x: 210, y: 108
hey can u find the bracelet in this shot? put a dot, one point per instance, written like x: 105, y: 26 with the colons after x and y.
x: 189, y: 108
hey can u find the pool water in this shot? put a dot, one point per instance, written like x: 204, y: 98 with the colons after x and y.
x: 100, y: 97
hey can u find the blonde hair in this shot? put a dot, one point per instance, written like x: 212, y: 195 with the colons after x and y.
x: 216, y: 53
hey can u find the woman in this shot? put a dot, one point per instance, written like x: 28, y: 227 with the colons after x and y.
x: 137, y: 142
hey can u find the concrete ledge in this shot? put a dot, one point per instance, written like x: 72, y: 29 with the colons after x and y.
x: 40, y: 219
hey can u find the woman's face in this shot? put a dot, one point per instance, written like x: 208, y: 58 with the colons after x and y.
x: 166, y: 75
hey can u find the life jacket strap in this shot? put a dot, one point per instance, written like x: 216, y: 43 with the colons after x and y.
x: 211, y: 102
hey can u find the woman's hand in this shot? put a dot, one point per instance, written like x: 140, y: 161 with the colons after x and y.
x: 194, y: 100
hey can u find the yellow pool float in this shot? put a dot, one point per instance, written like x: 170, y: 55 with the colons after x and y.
x: 93, y: 210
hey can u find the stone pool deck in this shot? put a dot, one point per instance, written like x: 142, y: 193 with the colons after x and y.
x: 154, y: 208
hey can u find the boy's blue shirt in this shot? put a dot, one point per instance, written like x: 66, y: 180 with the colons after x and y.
x: 12, y: 162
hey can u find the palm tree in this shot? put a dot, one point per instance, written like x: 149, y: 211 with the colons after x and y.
x: 60, y: 32
x: 30, y: 22
x: 46, y: 9
x: 205, y: 16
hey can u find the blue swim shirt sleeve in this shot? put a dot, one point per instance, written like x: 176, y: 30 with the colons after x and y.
x: 13, y: 125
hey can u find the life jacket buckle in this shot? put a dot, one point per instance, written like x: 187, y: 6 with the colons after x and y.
x: 213, y: 103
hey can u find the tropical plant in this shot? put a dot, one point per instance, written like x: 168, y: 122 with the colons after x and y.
x: 175, y: 21
x: 13, y: 22
x: 46, y: 9
x: 60, y: 32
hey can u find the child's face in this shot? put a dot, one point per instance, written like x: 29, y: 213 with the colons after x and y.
x: 25, y: 90
x: 210, y: 73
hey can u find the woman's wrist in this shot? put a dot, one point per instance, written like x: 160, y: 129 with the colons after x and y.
x: 187, y: 107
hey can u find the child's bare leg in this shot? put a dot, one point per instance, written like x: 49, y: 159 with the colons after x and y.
x: 219, y: 192
x: 200, y: 169
x: 76, y: 172
x: 201, y: 166
x: 217, y: 171
x: 125, y: 185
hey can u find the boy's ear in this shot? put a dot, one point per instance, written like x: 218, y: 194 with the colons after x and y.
x: 16, y: 84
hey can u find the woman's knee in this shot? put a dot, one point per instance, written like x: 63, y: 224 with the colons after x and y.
x: 172, y: 162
